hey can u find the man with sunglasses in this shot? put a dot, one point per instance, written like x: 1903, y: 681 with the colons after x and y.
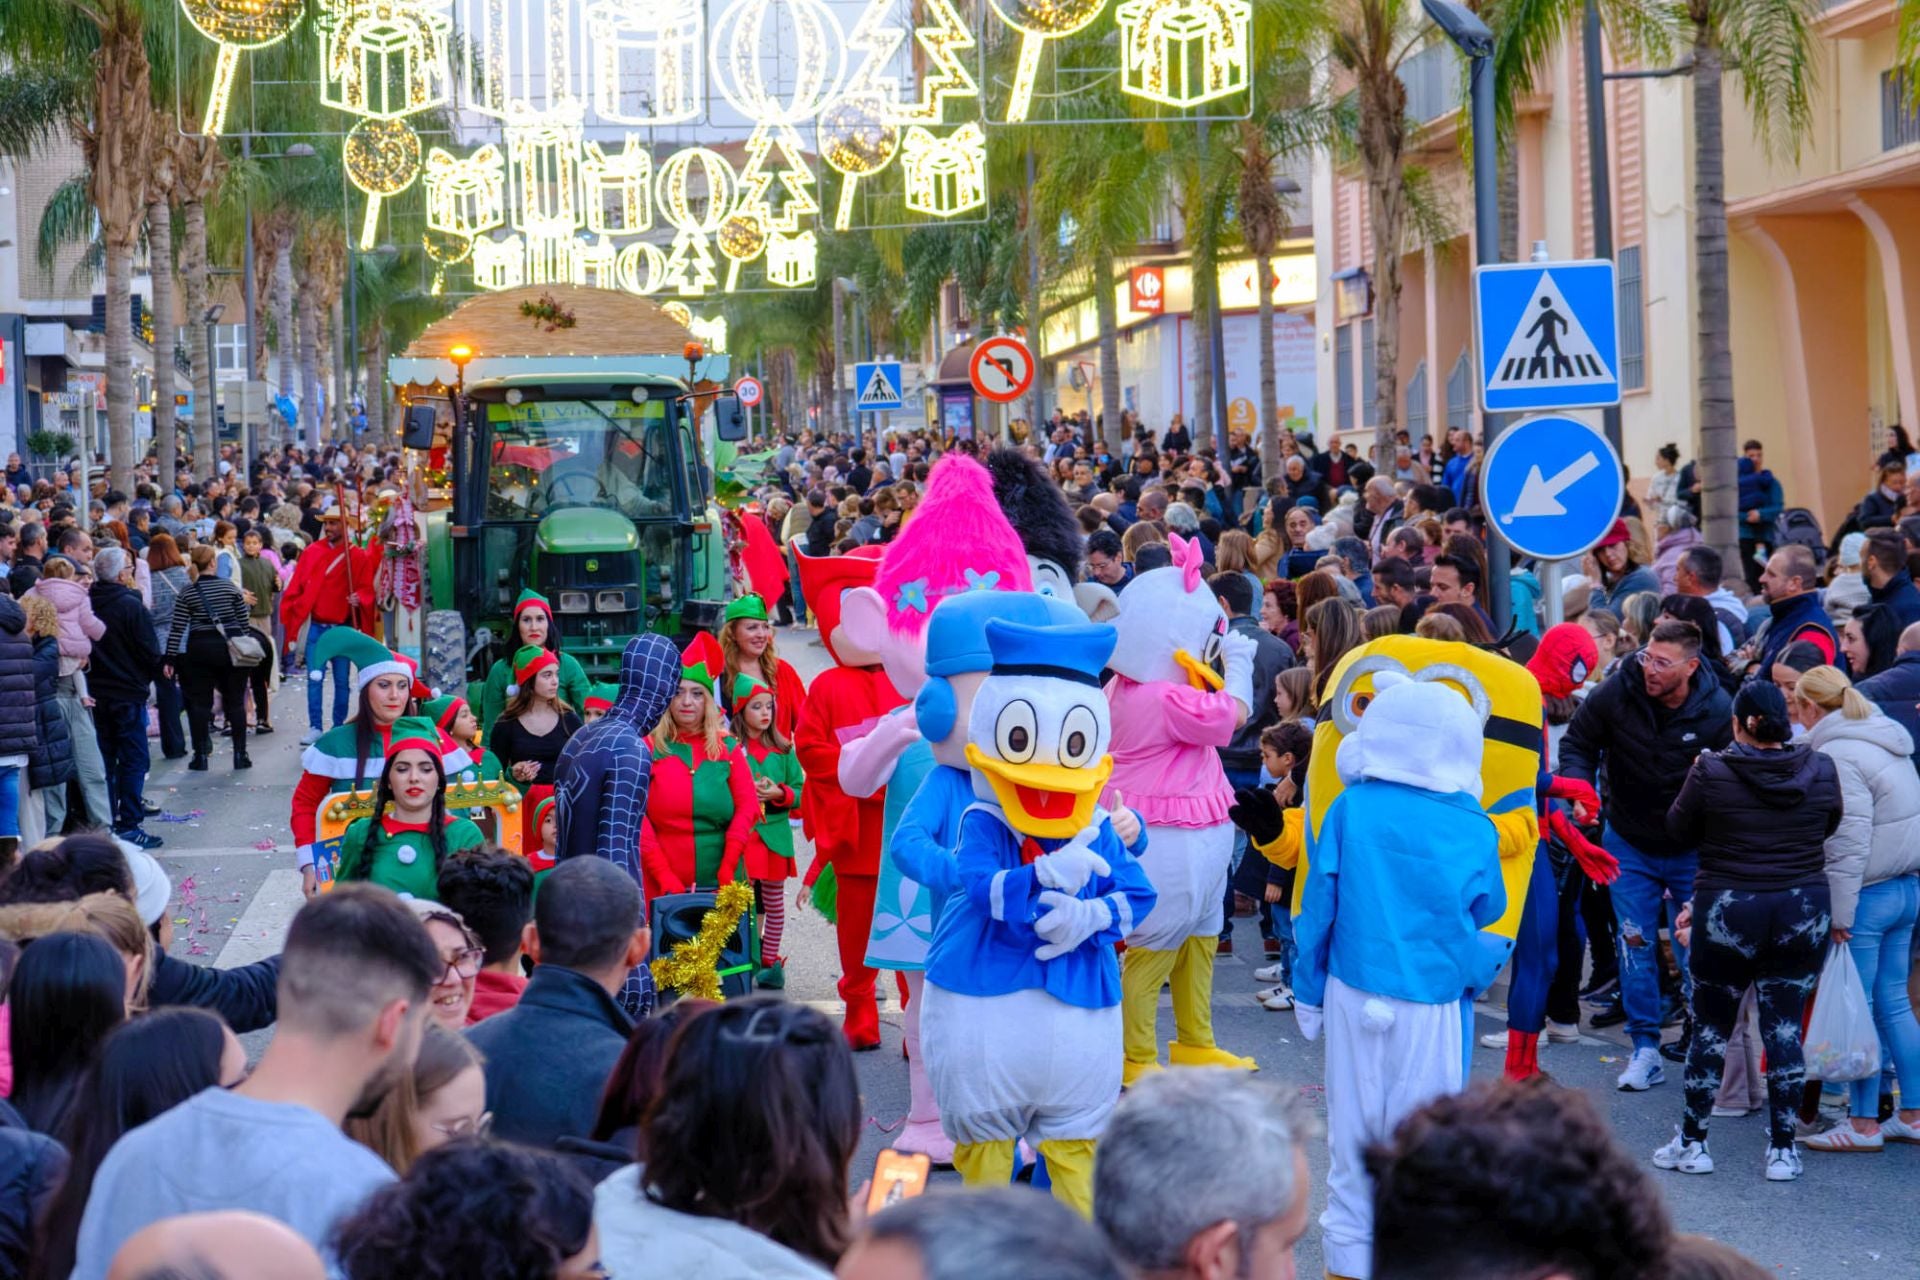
x: 1643, y: 726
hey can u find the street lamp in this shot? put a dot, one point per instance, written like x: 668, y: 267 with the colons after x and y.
x: 1470, y: 35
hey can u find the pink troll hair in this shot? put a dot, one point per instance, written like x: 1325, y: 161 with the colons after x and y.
x: 958, y: 540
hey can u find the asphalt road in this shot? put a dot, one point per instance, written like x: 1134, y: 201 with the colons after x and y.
x: 235, y: 890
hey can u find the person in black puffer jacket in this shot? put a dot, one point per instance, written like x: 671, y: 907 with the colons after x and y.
x: 1760, y: 813
x: 19, y: 730
x: 52, y: 767
x: 31, y: 1166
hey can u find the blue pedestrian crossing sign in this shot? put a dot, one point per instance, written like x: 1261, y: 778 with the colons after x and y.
x: 876, y: 387
x: 1551, y: 486
x: 1547, y: 335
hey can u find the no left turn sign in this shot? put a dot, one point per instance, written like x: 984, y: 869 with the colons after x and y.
x: 749, y: 391
x: 1001, y: 369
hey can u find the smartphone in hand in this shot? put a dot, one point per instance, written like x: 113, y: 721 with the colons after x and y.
x: 897, y: 1175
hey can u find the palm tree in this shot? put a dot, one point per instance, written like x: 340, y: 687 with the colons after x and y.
x: 160, y: 271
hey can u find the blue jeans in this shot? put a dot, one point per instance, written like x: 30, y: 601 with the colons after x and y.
x: 341, y: 675
x: 121, y: 728
x: 1882, y: 947
x: 1640, y: 911
x: 10, y: 802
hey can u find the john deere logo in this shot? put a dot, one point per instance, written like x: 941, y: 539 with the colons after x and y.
x: 593, y: 566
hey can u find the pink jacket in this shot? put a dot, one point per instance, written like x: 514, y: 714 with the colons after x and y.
x: 1166, y: 752
x: 79, y: 628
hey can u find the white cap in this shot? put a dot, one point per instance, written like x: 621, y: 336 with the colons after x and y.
x: 151, y: 888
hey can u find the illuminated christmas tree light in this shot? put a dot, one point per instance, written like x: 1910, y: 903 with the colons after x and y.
x: 857, y: 140
x: 235, y: 25
x: 466, y: 195
x: 646, y: 62
x: 801, y: 38
x: 1183, y: 52
x: 690, y: 262
x: 543, y: 163
x: 619, y: 188
x: 946, y: 176
x: 1039, y: 21
x: 792, y: 261
x: 942, y: 41
x: 382, y: 158
x: 796, y: 178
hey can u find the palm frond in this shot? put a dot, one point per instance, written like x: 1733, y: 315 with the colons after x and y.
x: 36, y: 104
x: 67, y: 220
x: 1770, y: 46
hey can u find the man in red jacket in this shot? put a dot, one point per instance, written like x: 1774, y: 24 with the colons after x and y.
x: 842, y: 705
x: 332, y: 586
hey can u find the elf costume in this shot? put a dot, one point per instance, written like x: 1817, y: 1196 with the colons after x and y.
x: 539, y: 857
x: 789, y: 690
x: 701, y: 808
x: 601, y: 697
x: 501, y: 682
x: 399, y: 855
x: 770, y: 847
x: 443, y: 711
x: 332, y: 763
x: 515, y: 744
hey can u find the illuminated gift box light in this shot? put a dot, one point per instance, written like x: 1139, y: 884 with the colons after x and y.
x: 1183, y: 52
x: 519, y: 54
x: 466, y: 195
x: 550, y: 259
x: 543, y: 161
x: 646, y: 59
x: 792, y: 260
x: 945, y: 176
x: 500, y: 264
x: 386, y: 59
x: 618, y: 188
x: 593, y: 262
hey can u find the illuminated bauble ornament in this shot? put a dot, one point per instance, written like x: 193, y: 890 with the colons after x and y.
x: 777, y: 61
x: 444, y: 249
x: 741, y: 238
x: 678, y: 311
x: 857, y: 138
x: 1039, y: 21
x: 235, y: 25
x: 382, y: 158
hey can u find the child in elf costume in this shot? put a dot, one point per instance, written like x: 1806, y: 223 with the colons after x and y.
x: 702, y: 805
x: 1022, y: 1024
x: 780, y: 783
x: 545, y: 824
x: 1171, y: 714
x: 844, y: 705
x: 411, y: 833
x: 454, y: 717
x: 600, y: 700
x: 532, y: 625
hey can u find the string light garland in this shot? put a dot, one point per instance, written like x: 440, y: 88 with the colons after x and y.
x: 946, y: 176
x: 1183, y: 52
x: 382, y: 158
x: 750, y: 33
x: 692, y: 967
x: 792, y: 261
x: 235, y: 25
x: 856, y: 140
x: 690, y: 262
x: 618, y: 188
x: 645, y: 59
x: 1039, y: 21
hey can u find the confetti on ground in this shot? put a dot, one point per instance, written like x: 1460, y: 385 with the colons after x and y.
x: 1607, y: 1057
x: 191, y: 815
x: 265, y: 846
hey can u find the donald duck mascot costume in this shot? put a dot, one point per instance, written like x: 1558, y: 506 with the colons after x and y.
x: 1022, y: 1023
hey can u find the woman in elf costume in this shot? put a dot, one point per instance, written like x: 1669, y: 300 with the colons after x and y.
x: 402, y: 846
x: 532, y: 625
x: 533, y: 730
x: 746, y: 647
x: 778, y: 780
x: 701, y: 804
x: 348, y: 757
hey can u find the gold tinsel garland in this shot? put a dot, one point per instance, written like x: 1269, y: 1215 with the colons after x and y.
x: 692, y: 968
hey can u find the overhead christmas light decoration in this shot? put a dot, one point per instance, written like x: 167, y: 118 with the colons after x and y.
x: 519, y: 55
x: 690, y: 262
x: 858, y: 141
x: 946, y: 176
x: 781, y: 144
x: 742, y: 237
x: 1039, y: 21
x: 942, y: 74
x: 382, y: 158
x: 594, y: 262
x: 792, y: 261
x: 237, y: 25
x: 385, y: 59
x: 799, y: 37
x: 618, y: 188
x: 646, y: 64
x: 500, y: 263
x: 710, y: 330
x: 640, y: 268
x: 466, y: 195
x: 445, y: 249
x: 1183, y: 52
x: 543, y: 163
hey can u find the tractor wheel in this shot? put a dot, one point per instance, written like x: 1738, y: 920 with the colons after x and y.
x: 446, y: 652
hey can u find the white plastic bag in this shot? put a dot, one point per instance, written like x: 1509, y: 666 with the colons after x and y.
x: 1841, y: 1042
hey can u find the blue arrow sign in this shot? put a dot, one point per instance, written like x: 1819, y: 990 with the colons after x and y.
x: 1546, y: 335
x: 876, y: 386
x: 1551, y: 486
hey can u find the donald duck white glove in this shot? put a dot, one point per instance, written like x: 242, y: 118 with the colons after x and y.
x: 1069, y: 867
x: 1069, y: 921
x: 1237, y: 652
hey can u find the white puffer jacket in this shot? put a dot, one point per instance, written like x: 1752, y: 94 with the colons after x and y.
x: 1879, y: 835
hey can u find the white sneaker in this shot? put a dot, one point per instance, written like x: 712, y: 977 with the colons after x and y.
x: 1894, y: 1129
x: 1684, y: 1154
x: 1643, y: 1071
x: 310, y: 737
x: 1494, y: 1040
x: 1277, y: 999
x: 1269, y: 973
x: 1783, y: 1164
x: 1845, y: 1139
x: 1732, y: 1113
x: 1561, y: 1033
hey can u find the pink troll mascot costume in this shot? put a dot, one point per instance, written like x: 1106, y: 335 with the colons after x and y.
x: 958, y: 541
x: 1171, y: 714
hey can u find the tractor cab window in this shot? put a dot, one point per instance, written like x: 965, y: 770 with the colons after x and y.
x: 550, y: 454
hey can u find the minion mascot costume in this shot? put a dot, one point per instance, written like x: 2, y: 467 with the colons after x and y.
x: 1410, y: 895
x: 1022, y: 1021
x: 1171, y: 714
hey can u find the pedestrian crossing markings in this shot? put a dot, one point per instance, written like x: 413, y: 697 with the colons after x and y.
x: 1549, y: 345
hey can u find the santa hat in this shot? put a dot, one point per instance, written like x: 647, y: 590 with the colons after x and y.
x: 959, y: 541
x: 1419, y: 733
x: 748, y: 606
x: 702, y: 662
x: 824, y: 578
x: 532, y: 600
x: 369, y: 657
x: 529, y: 662
x: 1566, y: 657
x: 601, y: 697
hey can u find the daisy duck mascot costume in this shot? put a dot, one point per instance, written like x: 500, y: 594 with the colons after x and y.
x: 1171, y: 713
x: 1022, y: 1026
x: 1405, y: 872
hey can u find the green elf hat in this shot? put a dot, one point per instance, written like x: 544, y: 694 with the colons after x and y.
x: 601, y: 697
x: 528, y: 662
x: 442, y: 710
x: 745, y: 687
x: 540, y: 814
x: 370, y: 658
x: 532, y: 600
x: 702, y: 662
x: 416, y: 732
x: 751, y: 605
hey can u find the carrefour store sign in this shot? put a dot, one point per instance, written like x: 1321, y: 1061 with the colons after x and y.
x: 1293, y: 284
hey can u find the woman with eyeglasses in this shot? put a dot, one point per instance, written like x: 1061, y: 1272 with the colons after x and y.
x: 747, y: 1142
x: 444, y: 1098
x: 461, y: 955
